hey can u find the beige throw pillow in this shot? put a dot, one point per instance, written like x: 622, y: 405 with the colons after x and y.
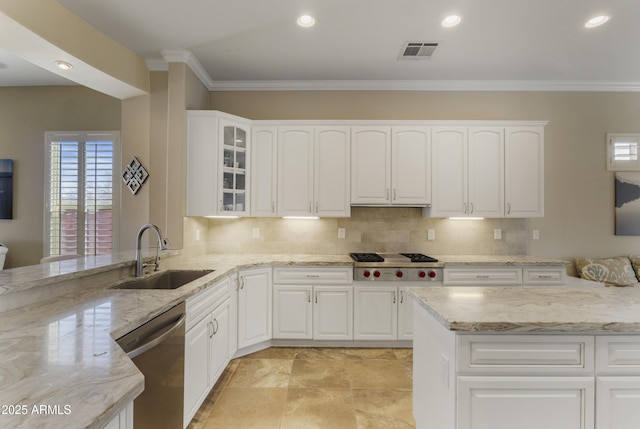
x: 611, y: 271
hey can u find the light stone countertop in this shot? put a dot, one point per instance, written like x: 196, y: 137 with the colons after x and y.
x: 514, y: 310
x: 57, y: 348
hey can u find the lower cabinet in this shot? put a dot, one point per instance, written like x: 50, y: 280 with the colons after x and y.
x: 313, y: 312
x: 207, y: 344
x: 382, y: 313
x: 525, y: 402
x: 525, y: 381
x: 124, y: 420
x: 254, y: 306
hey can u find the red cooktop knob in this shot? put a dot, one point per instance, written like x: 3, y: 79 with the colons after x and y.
x: 399, y: 274
x: 367, y: 273
x: 422, y: 274
x: 432, y: 274
x: 376, y: 274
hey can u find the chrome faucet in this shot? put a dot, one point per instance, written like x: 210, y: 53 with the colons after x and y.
x: 161, y: 246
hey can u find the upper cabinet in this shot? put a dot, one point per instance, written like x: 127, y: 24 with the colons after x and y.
x: 313, y: 171
x: 468, y: 172
x: 490, y: 172
x: 217, y: 164
x: 264, y: 167
x: 524, y: 172
x: 390, y: 166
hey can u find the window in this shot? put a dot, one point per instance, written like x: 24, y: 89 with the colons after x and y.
x: 80, y: 193
x: 622, y: 152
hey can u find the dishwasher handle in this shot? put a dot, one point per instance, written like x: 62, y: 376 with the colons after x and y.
x: 158, y: 337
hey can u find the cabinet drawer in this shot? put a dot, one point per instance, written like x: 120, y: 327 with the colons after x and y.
x: 543, y: 276
x: 313, y: 275
x: 618, y: 354
x: 512, y: 354
x: 482, y: 276
x: 207, y: 300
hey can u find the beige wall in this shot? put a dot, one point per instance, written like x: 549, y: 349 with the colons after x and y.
x: 579, y: 194
x: 25, y: 115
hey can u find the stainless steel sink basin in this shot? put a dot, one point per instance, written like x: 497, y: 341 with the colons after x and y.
x: 169, y: 279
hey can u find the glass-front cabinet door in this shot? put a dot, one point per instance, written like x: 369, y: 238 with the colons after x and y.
x: 234, y: 168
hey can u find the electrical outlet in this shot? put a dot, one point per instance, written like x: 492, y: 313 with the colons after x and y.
x: 497, y: 234
x: 255, y: 233
x: 431, y: 234
x: 536, y: 234
x: 341, y: 233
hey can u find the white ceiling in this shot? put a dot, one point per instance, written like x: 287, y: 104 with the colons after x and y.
x: 500, y: 44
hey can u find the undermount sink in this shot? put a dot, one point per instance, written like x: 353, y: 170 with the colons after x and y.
x: 169, y: 279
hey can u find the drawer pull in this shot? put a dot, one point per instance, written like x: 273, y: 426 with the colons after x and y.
x: 483, y: 276
x: 313, y: 276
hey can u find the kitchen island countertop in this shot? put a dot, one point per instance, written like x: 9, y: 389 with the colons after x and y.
x: 533, y: 309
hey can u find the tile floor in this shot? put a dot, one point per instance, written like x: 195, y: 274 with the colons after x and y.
x: 312, y: 388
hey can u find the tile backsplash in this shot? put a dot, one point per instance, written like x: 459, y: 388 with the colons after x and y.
x: 369, y: 229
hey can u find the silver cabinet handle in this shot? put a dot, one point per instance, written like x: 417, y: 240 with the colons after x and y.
x: 394, y: 194
x: 401, y: 297
x: 215, y: 329
x: 316, y: 297
x: 241, y: 282
x: 394, y: 297
x: 308, y: 296
x: 211, y: 331
x: 273, y: 206
x: 508, y: 208
x: 471, y: 208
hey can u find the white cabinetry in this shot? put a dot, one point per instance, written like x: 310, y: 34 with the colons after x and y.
x: 468, y: 172
x: 254, y: 306
x: 542, y: 275
x: 312, y: 303
x: 376, y: 313
x: 207, y: 344
x: 313, y: 171
x: 390, y: 165
x: 217, y: 163
x: 524, y: 172
x: 124, y: 420
x: 483, y: 381
x: 264, y: 167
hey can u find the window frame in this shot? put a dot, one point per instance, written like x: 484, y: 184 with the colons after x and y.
x: 622, y: 165
x: 82, y: 137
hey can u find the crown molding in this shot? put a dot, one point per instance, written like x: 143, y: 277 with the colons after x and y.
x: 185, y: 56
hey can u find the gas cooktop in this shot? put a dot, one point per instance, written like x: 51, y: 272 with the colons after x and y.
x: 392, y: 258
x: 396, y: 266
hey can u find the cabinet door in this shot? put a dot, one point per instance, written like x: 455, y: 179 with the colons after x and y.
x: 486, y: 172
x: 234, y: 171
x: 219, y: 341
x: 618, y: 405
x: 202, y: 159
x: 370, y: 165
x: 295, y: 171
x: 292, y: 312
x: 264, y: 178
x: 332, y: 167
x: 375, y: 313
x: 449, y: 172
x: 333, y: 313
x: 525, y: 403
x: 196, y: 367
x: 524, y: 172
x: 410, y: 166
x: 405, y: 315
x: 254, y: 307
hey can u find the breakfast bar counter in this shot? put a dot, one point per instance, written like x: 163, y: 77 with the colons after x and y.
x: 500, y: 357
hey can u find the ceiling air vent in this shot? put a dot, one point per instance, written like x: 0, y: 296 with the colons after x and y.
x: 418, y: 50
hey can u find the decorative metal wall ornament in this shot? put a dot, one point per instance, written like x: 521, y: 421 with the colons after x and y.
x: 134, y: 175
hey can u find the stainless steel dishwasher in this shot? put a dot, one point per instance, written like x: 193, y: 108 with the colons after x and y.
x: 157, y: 349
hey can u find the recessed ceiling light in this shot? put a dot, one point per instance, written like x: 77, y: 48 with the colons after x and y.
x: 63, y: 65
x: 306, y: 21
x: 451, y: 21
x: 597, y: 21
